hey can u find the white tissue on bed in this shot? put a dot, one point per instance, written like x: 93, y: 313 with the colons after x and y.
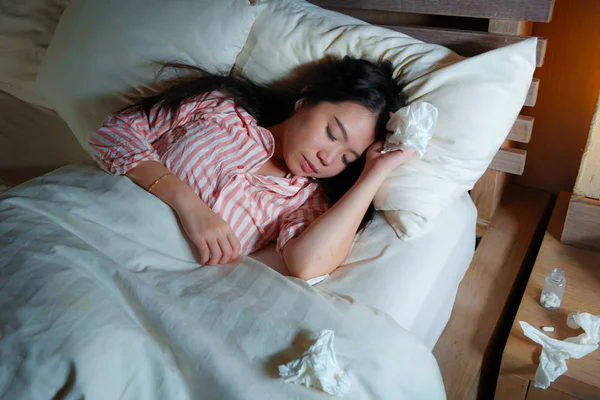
x: 318, y: 368
x: 318, y: 279
x: 555, y: 352
x: 411, y: 128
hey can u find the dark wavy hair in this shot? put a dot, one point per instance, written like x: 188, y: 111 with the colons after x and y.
x: 332, y: 80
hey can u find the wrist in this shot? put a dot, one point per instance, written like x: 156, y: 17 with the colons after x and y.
x: 182, y: 197
x: 370, y: 179
x: 373, y: 174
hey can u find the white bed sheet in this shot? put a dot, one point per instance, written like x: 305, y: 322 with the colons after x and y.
x: 101, y: 297
x: 414, y: 281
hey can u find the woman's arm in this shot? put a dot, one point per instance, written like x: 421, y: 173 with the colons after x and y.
x: 326, y: 242
x: 171, y: 190
x: 213, y: 237
x: 124, y: 145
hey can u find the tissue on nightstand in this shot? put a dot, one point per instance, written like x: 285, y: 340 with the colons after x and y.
x: 555, y: 352
x: 318, y: 368
x: 411, y: 127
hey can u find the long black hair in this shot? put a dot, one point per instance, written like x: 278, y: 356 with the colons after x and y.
x: 332, y: 80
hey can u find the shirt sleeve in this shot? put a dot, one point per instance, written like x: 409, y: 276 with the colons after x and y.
x: 294, y: 223
x: 125, y: 140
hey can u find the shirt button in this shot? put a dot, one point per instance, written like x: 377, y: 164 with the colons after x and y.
x: 240, y: 167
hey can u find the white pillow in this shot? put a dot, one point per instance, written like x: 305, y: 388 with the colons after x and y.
x: 103, y: 49
x: 26, y: 28
x: 478, y: 98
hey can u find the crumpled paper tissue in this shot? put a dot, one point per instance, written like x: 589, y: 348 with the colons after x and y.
x: 318, y: 368
x: 555, y: 352
x: 411, y: 128
x: 317, y: 280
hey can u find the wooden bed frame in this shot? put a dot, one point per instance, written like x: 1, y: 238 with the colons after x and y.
x: 511, y: 218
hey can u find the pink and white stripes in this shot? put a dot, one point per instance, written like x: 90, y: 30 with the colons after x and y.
x: 215, y: 147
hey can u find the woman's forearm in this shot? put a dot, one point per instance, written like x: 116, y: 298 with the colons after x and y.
x: 326, y: 242
x: 213, y: 238
x: 170, y: 189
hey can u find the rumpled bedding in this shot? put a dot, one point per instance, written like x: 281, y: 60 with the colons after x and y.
x: 101, y: 297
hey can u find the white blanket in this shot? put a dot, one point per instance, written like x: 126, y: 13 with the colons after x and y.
x: 100, y: 296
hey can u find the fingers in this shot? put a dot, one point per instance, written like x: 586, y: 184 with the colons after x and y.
x: 235, y: 245
x: 204, y: 251
x: 377, y: 144
x: 219, y: 249
x: 226, y: 250
x: 405, y: 154
x: 376, y: 147
x: 215, y: 252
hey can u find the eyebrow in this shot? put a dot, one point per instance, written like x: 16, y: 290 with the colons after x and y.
x: 345, y: 134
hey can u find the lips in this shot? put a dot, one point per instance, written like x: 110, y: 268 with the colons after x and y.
x: 307, y: 167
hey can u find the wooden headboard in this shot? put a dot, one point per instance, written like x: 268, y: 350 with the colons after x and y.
x: 507, y: 22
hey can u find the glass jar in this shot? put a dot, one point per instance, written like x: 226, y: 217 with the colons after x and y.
x: 553, y: 289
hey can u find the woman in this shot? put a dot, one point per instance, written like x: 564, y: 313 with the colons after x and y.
x: 243, y: 164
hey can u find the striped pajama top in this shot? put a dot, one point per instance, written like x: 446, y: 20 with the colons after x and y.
x: 216, y: 148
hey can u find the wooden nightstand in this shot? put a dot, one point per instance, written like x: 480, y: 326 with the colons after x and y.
x: 521, y: 355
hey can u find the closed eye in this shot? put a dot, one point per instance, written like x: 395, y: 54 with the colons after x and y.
x: 330, y: 134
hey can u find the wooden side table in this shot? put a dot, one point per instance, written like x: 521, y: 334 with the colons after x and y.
x: 521, y: 355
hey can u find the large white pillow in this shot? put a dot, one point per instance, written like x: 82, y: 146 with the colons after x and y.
x: 26, y: 29
x: 478, y: 98
x: 103, y: 49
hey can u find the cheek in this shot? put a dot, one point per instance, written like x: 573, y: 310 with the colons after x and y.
x: 305, y: 135
x: 334, y: 169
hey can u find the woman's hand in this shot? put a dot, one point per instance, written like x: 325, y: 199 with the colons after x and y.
x: 326, y: 242
x: 213, y: 237
x: 384, y: 164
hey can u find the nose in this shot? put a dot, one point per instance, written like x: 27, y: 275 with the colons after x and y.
x: 326, y: 157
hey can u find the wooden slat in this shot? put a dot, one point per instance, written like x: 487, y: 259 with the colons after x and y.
x: 468, y: 43
x: 510, y: 27
x: 530, y: 10
x: 522, y: 129
x: 511, y: 387
x: 509, y: 160
x: 485, y: 289
x: 532, y: 93
x: 582, y: 225
x: 486, y: 194
x: 547, y: 394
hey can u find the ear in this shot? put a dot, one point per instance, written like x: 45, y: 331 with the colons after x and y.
x: 299, y: 104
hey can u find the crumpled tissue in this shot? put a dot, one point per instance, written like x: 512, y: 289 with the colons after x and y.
x: 555, y: 352
x: 411, y: 128
x: 318, y: 368
x: 317, y: 280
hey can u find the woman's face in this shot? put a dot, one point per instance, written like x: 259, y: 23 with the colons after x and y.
x: 319, y: 141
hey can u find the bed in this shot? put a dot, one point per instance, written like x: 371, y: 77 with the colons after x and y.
x: 389, y: 303
x: 100, y: 300
x: 405, y: 279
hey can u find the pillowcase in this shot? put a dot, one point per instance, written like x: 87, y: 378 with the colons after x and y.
x: 478, y: 98
x: 26, y: 29
x: 103, y: 49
